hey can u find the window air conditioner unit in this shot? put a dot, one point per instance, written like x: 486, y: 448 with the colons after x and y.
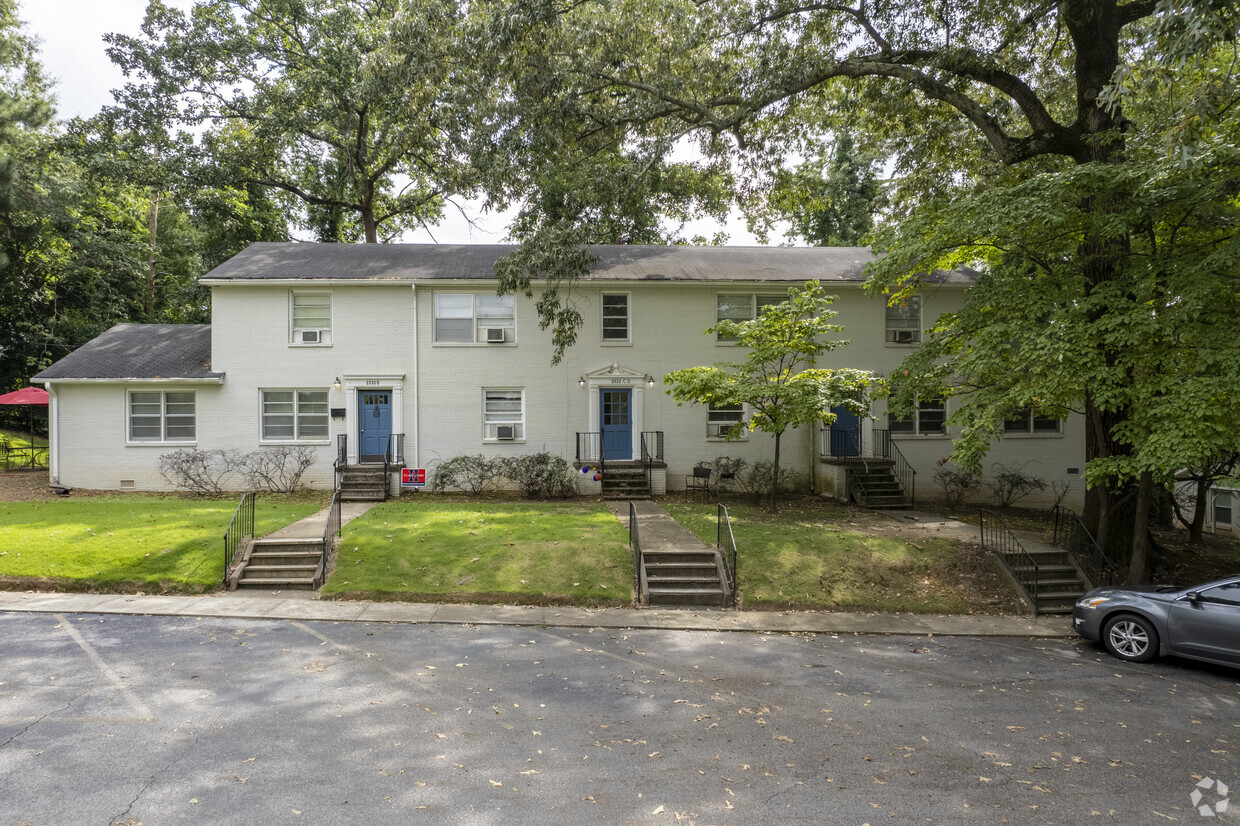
x: 310, y: 336
x: 495, y: 335
x: 505, y: 432
x: 720, y: 431
x: 903, y: 336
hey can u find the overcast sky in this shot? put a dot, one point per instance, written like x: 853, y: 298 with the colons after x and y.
x: 72, y: 50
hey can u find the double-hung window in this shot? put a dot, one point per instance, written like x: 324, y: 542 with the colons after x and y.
x: 930, y: 418
x: 503, y: 415
x: 615, y: 318
x: 724, y: 419
x: 1026, y: 421
x: 904, y: 321
x: 467, y: 318
x: 742, y: 307
x: 1222, y: 508
x: 310, y: 318
x: 294, y: 416
x: 162, y: 416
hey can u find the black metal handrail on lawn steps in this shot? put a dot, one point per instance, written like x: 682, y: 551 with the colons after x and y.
x: 240, y: 528
x: 1020, y: 565
x: 725, y: 541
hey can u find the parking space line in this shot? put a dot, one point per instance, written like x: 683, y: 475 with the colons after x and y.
x: 144, y: 713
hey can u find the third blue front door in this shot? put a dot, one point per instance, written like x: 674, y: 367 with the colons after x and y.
x: 616, y: 422
x: 374, y: 424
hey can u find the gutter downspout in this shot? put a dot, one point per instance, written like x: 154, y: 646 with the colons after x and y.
x: 53, y: 433
x: 417, y: 397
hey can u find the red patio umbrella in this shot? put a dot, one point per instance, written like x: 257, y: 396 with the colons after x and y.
x: 31, y: 397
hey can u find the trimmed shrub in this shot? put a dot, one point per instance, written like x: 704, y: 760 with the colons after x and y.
x: 956, y: 484
x: 277, y: 469
x: 198, y: 471
x: 541, y: 475
x: 475, y: 475
x: 1011, y: 484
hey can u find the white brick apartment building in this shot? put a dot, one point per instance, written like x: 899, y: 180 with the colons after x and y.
x: 311, y: 342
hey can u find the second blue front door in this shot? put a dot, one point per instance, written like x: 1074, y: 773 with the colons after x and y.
x: 374, y: 424
x: 616, y: 422
x: 845, y: 433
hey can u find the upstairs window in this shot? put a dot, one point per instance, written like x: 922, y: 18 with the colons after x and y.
x: 930, y: 418
x: 1222, y: 507
x: 904, y: 321
x: 742, y: 307
x: 615, y: 317
x: 310, y: 318
x: 468, y: 318
x: 162, y: 416
x: 1026, y: 421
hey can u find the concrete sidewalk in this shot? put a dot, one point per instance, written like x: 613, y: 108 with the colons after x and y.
x: 696, y: 619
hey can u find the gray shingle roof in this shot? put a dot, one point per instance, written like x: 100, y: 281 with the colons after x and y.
x: 416, y: 262
x: 140, y: 351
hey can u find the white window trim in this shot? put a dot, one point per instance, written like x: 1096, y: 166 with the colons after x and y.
x: 296, y: 439
x: 1030, y: 433
x: 917, y: 432
x: 753, y: 311
x: 710, y: 426
x: 325, y: 334
x: 489, y: 428
x: 889, y: 332
x: 627, y: 341
x: 510, y: 337
x: 163, y: 440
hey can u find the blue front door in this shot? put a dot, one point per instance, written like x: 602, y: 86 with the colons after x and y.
x: 374, y: 424
x: 845, y: 433
x: 616, y: 422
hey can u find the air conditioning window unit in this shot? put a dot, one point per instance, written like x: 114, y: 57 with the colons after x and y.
x: 311, y: 336
x: 505, y: 432
x: 904, y: 336
x: 495, y: 335
x: 721, y: 431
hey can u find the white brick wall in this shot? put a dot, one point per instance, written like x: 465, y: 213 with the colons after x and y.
x: 386, y: 330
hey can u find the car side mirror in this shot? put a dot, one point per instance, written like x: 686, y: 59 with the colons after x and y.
x: 1191, y: 596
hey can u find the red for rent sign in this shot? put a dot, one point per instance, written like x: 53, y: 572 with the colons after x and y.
x: 413, y: 477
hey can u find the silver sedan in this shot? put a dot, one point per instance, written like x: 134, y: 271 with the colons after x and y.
x: 1143, y: 622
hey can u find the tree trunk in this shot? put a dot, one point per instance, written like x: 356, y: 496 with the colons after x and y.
x: 1196, y: 528
x: 1138, y: 566
x: 151, y: 250
x: 772, y: 502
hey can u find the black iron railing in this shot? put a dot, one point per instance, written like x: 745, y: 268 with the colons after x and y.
x: 1072, y: 536
x: 851, y: 444
x: 652, y: 451
x: 342, y: 458
x: 590, y: 451
x: 239, y: 529
x: 1023, y: 568
x: 393, y: 456
x: 330, y: 531
x: 640, y: 586
x: 726, y: 542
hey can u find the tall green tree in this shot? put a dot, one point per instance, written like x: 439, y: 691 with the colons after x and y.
x: 356, y: 112
x: 832, y: 198
x: 966, y: 99
x: 778, y: 380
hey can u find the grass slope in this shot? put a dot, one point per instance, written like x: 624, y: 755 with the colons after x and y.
x: 803, y: 557
x: 507, y: 552
x: 128, y: 542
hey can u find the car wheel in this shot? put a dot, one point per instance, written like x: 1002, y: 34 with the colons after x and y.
x: 1131, y: 638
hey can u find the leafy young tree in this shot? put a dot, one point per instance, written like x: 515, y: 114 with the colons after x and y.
x: 967, y: 100
x: 355, y: 111
x: 778, y: 379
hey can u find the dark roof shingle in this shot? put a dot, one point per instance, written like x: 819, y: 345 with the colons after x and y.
x: 266, y: 261
x: 140, y: 351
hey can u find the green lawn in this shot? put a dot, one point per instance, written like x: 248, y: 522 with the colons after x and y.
x: 149, y: 543
x: 504, y: 552
x: 802, y: 557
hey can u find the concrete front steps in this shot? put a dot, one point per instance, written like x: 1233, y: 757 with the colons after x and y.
x: 874, y: 485
x: 285, y: 564
x: 625, y: 480
x: 1060, y: 584
x: 363, y: 483
x: 685, y: 578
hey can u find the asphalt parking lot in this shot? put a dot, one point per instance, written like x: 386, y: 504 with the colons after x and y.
x: 157, y: 720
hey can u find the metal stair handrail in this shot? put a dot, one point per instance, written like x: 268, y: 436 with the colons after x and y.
x: 639, y: 562
x: 652, y: 451
x: 853, y: 445
x: 593, y: 453
x: 330, y: 531
x: 1020, y: 565
x: 725, y: 541
x: 1072, y: 536
x: 240, y: 528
